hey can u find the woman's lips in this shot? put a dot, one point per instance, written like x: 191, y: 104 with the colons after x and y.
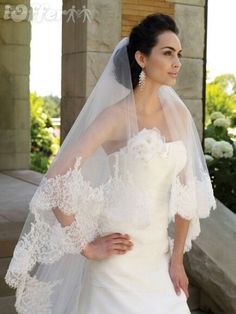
x: 173, y: 74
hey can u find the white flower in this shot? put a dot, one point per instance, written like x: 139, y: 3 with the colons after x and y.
x: 217, y: 114
x: 208, y: 157
x: 222, y: 149
x: 50, y: 130
x: 208, y: 143
x: 147, y: 143
x: 234, y: 143
x: 221, y: 122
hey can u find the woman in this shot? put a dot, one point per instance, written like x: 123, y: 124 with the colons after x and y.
x: 96, y: 239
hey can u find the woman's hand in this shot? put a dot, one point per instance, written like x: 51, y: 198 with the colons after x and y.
x: 178, y: 276
x: 104, y: 246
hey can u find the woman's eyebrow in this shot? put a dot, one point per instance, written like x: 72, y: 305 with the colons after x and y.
x: 171, y: 48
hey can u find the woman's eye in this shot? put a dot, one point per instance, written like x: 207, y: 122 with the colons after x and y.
x: 169, y: 53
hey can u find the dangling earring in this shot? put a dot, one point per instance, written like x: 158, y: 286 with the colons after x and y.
x: 141, y: 81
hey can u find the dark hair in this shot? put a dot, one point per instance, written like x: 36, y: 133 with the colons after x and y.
x: 143, y: 37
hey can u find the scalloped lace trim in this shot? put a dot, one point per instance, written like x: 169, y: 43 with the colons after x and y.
x: 47, y: 241
x: 191, y: 202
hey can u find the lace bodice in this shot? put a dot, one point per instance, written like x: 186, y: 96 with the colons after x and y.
x: 141, y: 207
x: 140, y: 197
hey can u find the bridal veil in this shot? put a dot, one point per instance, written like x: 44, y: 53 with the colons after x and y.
x: 47, y: 267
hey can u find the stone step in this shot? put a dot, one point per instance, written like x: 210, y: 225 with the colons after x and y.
x: 7, y: 305
x: 9, y: 235
x: 194, y: 297
x: 5, y: 290
x: 29, y: 176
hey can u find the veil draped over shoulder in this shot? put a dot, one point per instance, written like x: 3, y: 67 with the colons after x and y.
x: 47, y: 267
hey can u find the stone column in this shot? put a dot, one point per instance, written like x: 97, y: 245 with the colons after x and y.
x: 14, y: 89
x: 190, y: 18
x: 86, y: 48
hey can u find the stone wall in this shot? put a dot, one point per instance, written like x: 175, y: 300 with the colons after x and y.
x: 86, y: 48
x: 14, y: 90
x: 190, y: 18
x: 86, y: 55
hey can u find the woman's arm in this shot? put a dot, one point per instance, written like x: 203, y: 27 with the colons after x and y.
x: 101, y: 130
x: 176, y: 267
x: 181, y: 230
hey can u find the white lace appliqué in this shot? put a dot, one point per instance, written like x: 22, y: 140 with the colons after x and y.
x: 126, y: 203
x: 47, y: 241
x: 148, y: 145
x: 191, y: 201
x: 117, y: 199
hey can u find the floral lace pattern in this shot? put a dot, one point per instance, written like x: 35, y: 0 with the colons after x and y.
x: 35, y: 296
x: 61, y: 192
x: 126, y: 203
x: 148, y: 145
x: 47, y: 241
x: 191, y: 202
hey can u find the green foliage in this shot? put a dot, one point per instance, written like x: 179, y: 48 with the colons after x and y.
x: 221, y: 96
x: 52, y: 105
x: 44, y: 143
x: 222, y: 167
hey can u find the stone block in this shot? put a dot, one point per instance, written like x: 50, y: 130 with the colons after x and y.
x: 211, y: 261
x: 15, y: 115
x: 74, y: 70
x: 15, y: 59
x: 190, y: 81
x: 195, y: 106
x: 21, y: 87
x: 190, y: 20
x: 7, y: 305
x: 14, y: 141
x: 12, y: 33
x: 189, y: 2
x: 76, y: 29
x: 16, y: 12
x: 70, y: 108
x: 104, y: 32
x: 9, y: 161
x: 96, y: 62
x: 27, y: 2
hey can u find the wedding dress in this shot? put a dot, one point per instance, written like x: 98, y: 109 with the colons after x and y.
x: 138, y: 281
x: 138, y: 189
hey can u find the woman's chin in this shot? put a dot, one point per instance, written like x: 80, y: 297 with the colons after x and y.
x: 173, y: 83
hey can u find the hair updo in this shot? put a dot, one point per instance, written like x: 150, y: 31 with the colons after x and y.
x: 143, y: 37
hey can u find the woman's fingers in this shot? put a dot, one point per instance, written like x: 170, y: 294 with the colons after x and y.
x: 177, y: 287
x: 185, y: 289
x: 117, y: 235
x: 122, y: 246
x: 119, y: 243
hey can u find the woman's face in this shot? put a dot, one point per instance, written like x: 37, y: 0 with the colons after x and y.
x: 164, y: 59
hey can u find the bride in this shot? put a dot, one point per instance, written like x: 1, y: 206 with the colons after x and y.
x: 98, y: 235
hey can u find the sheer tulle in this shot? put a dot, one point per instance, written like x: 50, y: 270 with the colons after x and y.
x: 83, y: 191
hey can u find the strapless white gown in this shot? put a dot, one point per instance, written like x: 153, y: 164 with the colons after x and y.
x: 138, y: 281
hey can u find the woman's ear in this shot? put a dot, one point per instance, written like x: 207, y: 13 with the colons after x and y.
x: 139, y: 57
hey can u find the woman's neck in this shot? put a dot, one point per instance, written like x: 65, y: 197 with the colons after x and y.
x: 146, y: 100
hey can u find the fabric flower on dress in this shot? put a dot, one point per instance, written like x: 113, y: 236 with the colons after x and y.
x: 145, y: 147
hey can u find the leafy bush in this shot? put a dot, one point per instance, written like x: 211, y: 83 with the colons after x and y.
x: 44, y: 143
x: 220, y: 153
x: 221, y: 96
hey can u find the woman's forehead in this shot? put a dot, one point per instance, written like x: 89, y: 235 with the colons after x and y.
x: 168, y: 39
